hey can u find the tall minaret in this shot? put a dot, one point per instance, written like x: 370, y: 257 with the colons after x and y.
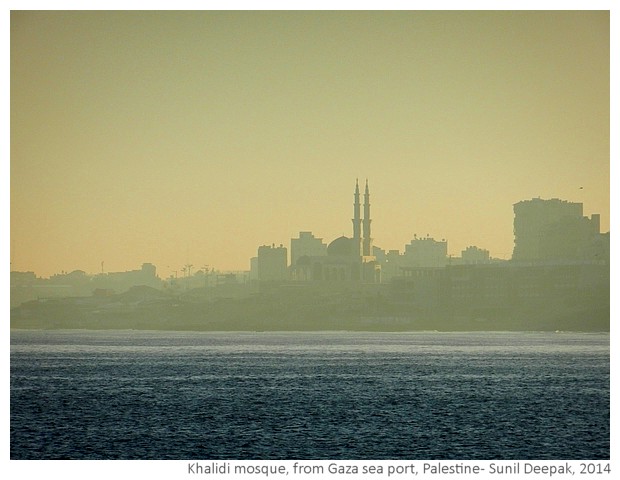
x: 367, y: 250
x: 357, y: 222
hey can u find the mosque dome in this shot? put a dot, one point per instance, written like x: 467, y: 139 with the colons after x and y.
x: 342, y: 246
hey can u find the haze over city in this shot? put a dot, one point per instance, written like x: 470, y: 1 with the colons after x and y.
x: 176, y: 137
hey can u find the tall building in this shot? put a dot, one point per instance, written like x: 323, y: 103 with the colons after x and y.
x: 272, y: 263
x: 554, y: 231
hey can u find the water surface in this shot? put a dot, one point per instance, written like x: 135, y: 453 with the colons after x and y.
x: 183, y: 395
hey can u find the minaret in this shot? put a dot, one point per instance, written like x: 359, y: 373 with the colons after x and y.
x: 367, y: 250
x: 357, y: 222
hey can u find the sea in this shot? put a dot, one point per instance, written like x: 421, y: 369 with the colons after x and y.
x: 298, y: 395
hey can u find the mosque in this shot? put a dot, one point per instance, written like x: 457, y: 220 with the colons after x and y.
x: 347, y: 259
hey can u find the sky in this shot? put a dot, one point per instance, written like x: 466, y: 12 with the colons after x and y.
x: 194, y: 137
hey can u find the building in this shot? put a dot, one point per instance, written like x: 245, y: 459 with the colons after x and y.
x: 272, y: 263
x: 555, y: 231
x: 26, y: 286
x: 253, y: 268
x: 426, y: 253
x: 391, y: 263
x: 122, y: 281
x: 307, y: 245
x: 475, y: 256
x: 529, y: 296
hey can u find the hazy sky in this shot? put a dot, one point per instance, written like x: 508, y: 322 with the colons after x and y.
x: 176, y: 137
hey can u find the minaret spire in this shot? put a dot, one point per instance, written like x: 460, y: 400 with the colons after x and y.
x: 367, y: 245
x: 357, y: 221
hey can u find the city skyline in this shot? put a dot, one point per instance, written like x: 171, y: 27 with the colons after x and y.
x: 365, y: 241
x: 195, y: 137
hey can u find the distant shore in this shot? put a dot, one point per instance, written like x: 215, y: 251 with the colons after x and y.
x: 596, y: 323
x: 306, y: 309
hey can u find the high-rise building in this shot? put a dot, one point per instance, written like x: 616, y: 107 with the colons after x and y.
x: 553, y: 230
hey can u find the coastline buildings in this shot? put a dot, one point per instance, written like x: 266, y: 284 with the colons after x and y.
x: 559, y: 276
x: 26, y: 286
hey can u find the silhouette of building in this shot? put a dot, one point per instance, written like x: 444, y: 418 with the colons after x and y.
x: 532, y: 295
x: 475, y: 256
x: 25, y: 286
x: 19, y: 279
x: 307, y: 245
x: 272, y: 263
x: 555, y: 231
x: 122, y: 281
x: 253, y: 268
x: 426, y: 252
x: 391, y: 266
